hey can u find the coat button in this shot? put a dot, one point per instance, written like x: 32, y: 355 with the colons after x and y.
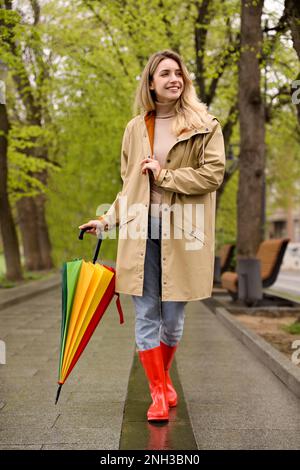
x: 164, y: 259
x: 206, y: 129
x: 165, y: 282
x: 141, y: 277
x: 168, y: 160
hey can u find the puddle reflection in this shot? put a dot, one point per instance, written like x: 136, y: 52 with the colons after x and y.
x: 160, y: 434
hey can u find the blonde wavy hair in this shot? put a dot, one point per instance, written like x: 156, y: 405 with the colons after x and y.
x: 190, y: 112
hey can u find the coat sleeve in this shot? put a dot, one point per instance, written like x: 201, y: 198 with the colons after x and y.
x: 207, y: 178
x: 111, y: 218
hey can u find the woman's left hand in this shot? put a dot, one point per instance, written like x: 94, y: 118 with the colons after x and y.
x: 152, y: 165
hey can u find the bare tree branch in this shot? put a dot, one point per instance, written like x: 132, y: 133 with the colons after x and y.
x: 36, y: 11
x: 105, y: 24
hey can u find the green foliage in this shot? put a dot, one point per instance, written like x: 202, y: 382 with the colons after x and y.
x: 84, y: 59
x: 24, y: 168
x: 95, y: 89
x: 283, y: 161
x: 293, y: 328
x: 226, y: 215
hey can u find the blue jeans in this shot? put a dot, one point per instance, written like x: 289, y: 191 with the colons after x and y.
x: 156, y: 320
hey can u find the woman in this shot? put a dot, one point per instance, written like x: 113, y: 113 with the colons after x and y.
x: 172, y: 162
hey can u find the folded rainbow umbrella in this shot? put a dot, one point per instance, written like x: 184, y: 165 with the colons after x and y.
x: 87, y: 290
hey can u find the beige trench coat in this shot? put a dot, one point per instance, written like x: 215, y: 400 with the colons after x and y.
x: 193, y: 172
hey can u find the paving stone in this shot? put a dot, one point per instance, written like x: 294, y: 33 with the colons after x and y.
x: 248, y: 439
x: 77, y: 446
x: 20, y: 447
x: 17, y: 372
x: 244, y: 416
x: 35, y: 420
x: 94, y: 418
x: 106, y: 437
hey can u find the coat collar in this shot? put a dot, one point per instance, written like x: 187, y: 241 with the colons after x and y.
x: 148, y: 118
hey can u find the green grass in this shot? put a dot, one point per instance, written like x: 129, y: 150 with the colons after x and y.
x: 27, y: 275
x: 4, y: 283
x: 294, y: 328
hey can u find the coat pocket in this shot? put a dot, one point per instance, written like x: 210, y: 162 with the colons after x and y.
x: 193, y: 235
x: 126, y: 219
x: 197, y: 233
x: 133, y: 227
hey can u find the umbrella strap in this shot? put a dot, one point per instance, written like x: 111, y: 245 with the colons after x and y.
x: 119, y: 308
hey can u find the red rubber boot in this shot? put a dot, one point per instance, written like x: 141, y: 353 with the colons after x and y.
x: 152, y: 362
x: 168, y: 353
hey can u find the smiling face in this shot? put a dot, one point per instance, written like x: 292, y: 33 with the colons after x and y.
x: 167, y: 81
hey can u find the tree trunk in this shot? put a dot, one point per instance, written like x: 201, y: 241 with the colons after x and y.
x: 43, y: 233
x: 34, y: 231
x: 292, y: 10
x: 8, y: 229
x: 28, y: 222
x: 252, y: 132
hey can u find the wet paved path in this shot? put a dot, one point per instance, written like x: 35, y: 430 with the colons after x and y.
x: 177, y: 434
x: 90, y: 409
x: 233, y: 401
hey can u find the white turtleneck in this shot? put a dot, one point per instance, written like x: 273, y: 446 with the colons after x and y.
x: 164, y: 139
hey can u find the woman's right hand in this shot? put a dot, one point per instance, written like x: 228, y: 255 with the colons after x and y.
x: 96, y: 227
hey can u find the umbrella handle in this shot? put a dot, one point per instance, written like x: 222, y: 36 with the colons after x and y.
x: 82, y: 231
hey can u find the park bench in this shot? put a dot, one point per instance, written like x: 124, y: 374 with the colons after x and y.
x: 223, y: 261
x: 270, y: 254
